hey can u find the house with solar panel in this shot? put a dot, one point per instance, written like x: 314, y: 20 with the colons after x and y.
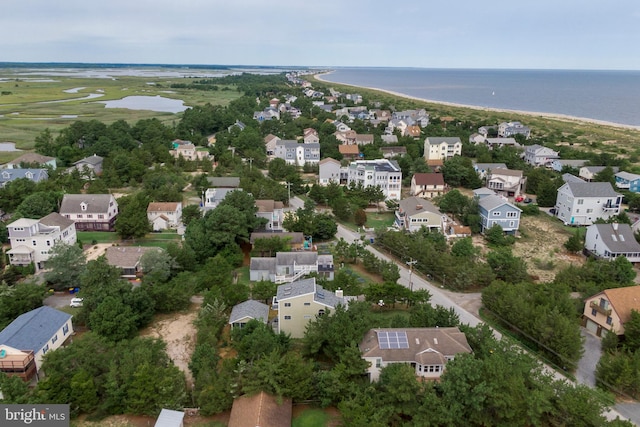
x: 25, y: 341
x: 300, y: 302
x: 427, y: 350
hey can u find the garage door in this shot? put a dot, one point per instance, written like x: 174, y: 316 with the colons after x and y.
x: 592, y: 326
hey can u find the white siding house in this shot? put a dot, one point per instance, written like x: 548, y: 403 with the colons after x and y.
x: 582, y: 203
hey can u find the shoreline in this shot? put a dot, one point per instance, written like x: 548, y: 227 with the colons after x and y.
x: 561, y: 117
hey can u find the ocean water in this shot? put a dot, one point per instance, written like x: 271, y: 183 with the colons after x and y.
x: 611, y: 96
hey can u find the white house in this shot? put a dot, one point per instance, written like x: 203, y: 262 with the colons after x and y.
x: 506, y: 129
x: 287, y: 267
x: 537, y: 155
x: 90, y: 212
x: 413, y: 213
x: 609, y: 241
x: 427, y: 185
x: 582, y: 203
x: 383, y: 173
x: 273, y: 212
x: 164, y: 215
x: 442, y: 148
x: 213, y: 197
x: 29, y: 337
x: 506, y: 182
x: 427, y: 350
x: 297, y: 154
x: 588, y: 173
x: 328, y: 171
x: 32, y: 239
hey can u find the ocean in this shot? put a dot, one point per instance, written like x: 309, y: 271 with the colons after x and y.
x: 610, y: 96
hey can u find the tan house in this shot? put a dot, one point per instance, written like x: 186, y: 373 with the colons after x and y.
x: 31, y: 159
x: 164, y: 215
x: 261, y: 410
x: 300, y: 302
x: 127, y: 259
x: 427, y: 350
x: 506, y: 182
x: 270, y: 144
x: 607, y: 311
x: 351, y: 151
x: 442, y: 148
x: 427, y: 185
x: 310, y: 135
x: 189, y: 151
x: 413, y: 213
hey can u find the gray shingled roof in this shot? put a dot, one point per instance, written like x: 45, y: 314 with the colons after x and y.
x: 627, y: 176
x: 54, y: 219
x: 92, y: 160
x: 620, y: 240
x: 592, y: 189
x: 410, y: 206
x: 32, y: 330
x: 288, y: 258
x: 96, y: 203
x: 263, y: 263
x: 440, y: 139
x: 491, y: 202
x: 567, y: 177
x: 253, y: 309
x: 295, y: 289
x: 224, y: 182
x: 490, y: 166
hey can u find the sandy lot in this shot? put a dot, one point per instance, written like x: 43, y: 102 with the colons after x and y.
x: 96, y: 250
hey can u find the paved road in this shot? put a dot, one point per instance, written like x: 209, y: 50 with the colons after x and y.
x: 629, y: 411
x: 586, y: 373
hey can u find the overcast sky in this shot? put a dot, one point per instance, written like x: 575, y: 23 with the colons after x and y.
x: 560, y: 34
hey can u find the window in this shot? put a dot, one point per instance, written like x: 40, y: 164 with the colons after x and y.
x: 594, y: 312
x: 580, y: 201
x: 48, y: 242
x: 378, y: 363
x: 287, y: 317
x: 609, y: 320
x: 65, y: 329
x: 100, y: 216
x: 54, y: 339
x: 34, y: 243
x: 512, y: 214
x: 79, y: 216
x: 45, y: 349
x: 287, y: 304
x: 307, y: 303
x: 497, y: 213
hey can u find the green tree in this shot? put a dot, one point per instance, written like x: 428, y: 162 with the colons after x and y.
x: 113, y: 319
x: 360, y: 217
x: 157, y: 266
x: 65, y: 266
x: 454, y: 202
x: 189, y: 213
x: 39, y: 204
x: 506, y: 266
x: 575, y: 243
x: 632, y: 331
x: 18, y: 299
x: 132, y: 221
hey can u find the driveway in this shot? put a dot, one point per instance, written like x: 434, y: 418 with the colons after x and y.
x: 58, y: 300
x: 586, y: 372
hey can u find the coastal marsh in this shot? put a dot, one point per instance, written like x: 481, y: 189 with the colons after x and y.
x: 28, y: 106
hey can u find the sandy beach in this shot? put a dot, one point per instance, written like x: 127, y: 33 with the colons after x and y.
x: 561, y: 117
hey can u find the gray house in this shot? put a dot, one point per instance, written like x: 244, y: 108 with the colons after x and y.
x: 248, y: 310
x: 496, y: 210
x: 610, y: 241
x: 35, y: 175
x: 286, y: 267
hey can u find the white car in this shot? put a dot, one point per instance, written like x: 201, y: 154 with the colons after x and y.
x: 76, y: 302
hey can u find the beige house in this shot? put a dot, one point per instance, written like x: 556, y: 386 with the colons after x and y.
x: 127, y: 259
x: 164, y: 215
x: 506, y: 182
x: 607, y: 311
x: 427, y: 185
x: 189, y: 151
x: 300, y: 302
x: 310, y: 135
x: 413, y: 213
x: 427, y: 350
x: 270, y: 144
x: 442, y: 148
x: 90, y: 212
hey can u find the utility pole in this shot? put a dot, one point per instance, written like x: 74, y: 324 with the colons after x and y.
x: 250, y: 160
x: 288, y: 184
x: 411, y: 264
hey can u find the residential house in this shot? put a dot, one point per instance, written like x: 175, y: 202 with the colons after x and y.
x: 238, y: 124
x: 558, y: 164
x: 170, y: 418
x: 29, y: 337
x: 476, y: 138
x: 32, y: 159
x: 273, y: 212
x: 506, y: 182
x: 364, y: 138
x: 298, y: 154
x: 567, y: 177
x: 90, y: 212
x: 328, y: 171
x: 393, y: 151
x: 582, y: 203
x: 628, y: 181
x: 242, y: 313
x: 506, y: 129
x: 35, y: 175
x: 588, y: 173
x: 89, y: 166
x: 483, y: 169
x: 310, y: 135
x: 481, y: 192
x: 442, y: 148
x: 301, y: 301
x: 287, y: 267
x: 389, y: 139
x: 268, y: 113
x: 496, y: 210
x: 188, y: 151
x: 295, y: 239
x: 427, y: 185
x: 413, y: 131
x: 609, y: 310
x: 270, y: 144
x: 399, y: 125
x: 341, y: 127
x: 213, y: 197
x: 383, y: 173
x: 458, y: 231
x: 127, y: 259
x: 349, y: 137
x: 262, y: 409
x: 349, y: 152
x: 501, y: 142
x: 610, y: 241
x: 427, y: 350
x: 487, y: 130
x: 537, y: 155
x: 32, y: 239
x: 413, y: 213
x: 164, y: 215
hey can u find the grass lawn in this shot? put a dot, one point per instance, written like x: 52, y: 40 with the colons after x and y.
x: 88, y: 237
x: 312, y: 418
x: 375, y: 220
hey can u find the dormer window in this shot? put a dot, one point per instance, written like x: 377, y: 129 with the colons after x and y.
x: 29, y: 175
x: 83, y: 206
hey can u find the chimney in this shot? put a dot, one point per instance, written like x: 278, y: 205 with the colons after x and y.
x: 339, y: 293
x: 615, y: 226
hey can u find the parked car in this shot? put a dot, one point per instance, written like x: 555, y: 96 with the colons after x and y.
x: 528, y: 200
x: 519, y: 199
x: 76, y: 302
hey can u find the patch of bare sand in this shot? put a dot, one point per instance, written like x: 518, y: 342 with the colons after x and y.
x: 94, y: 251
x: 179, y: 333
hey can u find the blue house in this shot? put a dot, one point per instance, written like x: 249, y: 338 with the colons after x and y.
x: 628, y: 181
x: 496, y: 210
x: 35, y: 175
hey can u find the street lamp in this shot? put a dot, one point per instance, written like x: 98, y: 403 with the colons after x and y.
x: 410, y: 264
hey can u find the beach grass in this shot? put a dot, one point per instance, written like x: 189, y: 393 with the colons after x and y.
x: 27, y: 107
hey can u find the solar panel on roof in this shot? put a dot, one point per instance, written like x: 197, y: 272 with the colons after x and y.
x: 392, y: 340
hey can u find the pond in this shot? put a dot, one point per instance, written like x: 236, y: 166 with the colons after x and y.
x: 153, y: 103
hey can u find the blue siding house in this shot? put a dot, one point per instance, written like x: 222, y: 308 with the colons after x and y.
x: 496, y: 210
x: 629, y: 181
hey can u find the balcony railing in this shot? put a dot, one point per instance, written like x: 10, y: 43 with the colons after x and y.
x: 611, y: 206
x: 596, y: 306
